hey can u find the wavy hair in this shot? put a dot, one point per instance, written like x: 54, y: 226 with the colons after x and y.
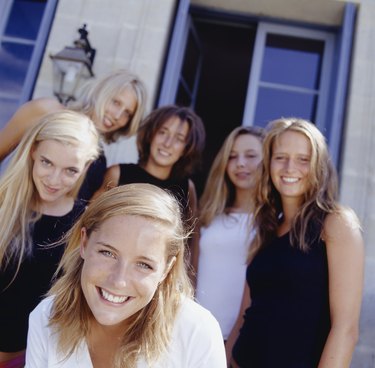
x: 149, y: 330
x: 19, y: 198
x: 194, y: 142
x: 215, y: 202
x: 96, y: 95
x: 320, y: 199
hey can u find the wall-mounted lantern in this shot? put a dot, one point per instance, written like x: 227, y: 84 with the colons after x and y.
x: 72, y: 66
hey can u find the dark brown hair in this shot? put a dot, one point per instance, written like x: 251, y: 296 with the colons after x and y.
x: 195, y: 140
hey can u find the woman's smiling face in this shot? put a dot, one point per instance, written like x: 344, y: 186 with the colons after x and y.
x: 290, y: 166
x: 124, y: 263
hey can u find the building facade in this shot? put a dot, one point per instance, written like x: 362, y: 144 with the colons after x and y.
x: 236, y: 62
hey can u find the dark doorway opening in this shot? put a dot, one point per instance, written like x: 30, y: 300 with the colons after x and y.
x: 227, y: 50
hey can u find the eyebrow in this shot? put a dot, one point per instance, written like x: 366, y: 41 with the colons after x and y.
x: 143, y: 258
x: 53, y: 163
x: 45, y: 158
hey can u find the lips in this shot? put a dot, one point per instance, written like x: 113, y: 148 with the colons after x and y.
x: 242, y: 175
x: 49, y: 189
x: 112, y: 298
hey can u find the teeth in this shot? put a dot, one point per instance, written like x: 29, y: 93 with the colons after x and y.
x: 164, y: 153
x: 113, y: 298
x: 290, y: 180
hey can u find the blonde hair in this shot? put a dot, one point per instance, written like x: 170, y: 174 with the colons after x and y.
x: 149, y: 329
x: 320, y: 198
x: 96, y: 95
x: 216, y: 202
x: 18, y: 196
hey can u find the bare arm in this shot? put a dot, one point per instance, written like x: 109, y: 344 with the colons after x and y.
x: 246, y: 301
x: 24, y: 118
x: 111, y: 179
x: 345, y: 253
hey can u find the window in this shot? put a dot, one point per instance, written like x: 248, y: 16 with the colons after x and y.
x: 290, y: 74
x: 24, y: 28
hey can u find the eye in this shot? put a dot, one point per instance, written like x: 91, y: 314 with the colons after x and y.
x: 144, y: 265
x: 304, y: 160
x: 45, y: 162
x: 251, y: 155
x: 278, y: 157
x: 116, y: 102
x: 232, y: 157
x: 180, y: 139
x: 72, y: 171
x: 107, y: 253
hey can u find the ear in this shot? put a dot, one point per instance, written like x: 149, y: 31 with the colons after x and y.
x: 83, y: 242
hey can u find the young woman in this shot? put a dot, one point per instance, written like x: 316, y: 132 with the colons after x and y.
x: 115, y: 103
x: 220, y: 258
x: 125, y: 303
x: 305, y: 276
x: 170, y: 144
x: 37, y: 206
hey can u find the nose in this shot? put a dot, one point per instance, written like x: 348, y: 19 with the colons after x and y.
x: 117, y: 113
x: 120, y: 275
x: 241, y: 161
x: 168, y: 140
x: 289, y: 165
x: 54, y: 177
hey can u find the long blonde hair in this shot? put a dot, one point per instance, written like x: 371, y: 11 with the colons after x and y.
x: 18, y: 195
x: 216, y: 201
x: 149, y: 330
x: 320, y: 198
x: 97, y: 94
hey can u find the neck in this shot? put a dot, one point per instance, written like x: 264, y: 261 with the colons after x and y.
x: 290, y: 210
x: 103, y: 343
x: 159, y: 172
x: 60, y: 207
x: 243, y: 200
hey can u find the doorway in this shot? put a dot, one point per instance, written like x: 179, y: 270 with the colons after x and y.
x: 226, y: 53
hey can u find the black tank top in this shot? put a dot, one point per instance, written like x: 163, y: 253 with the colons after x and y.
x: 132, y: 173
x: 33, y: 280
x: 288, y: 321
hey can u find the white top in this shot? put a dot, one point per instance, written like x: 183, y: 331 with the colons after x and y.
x: 196, y: 342
x: 223, y: 249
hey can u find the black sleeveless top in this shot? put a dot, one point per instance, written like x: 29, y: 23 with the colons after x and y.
x: 33, y: 280
x: 288, y: 321
x: 133, y: 173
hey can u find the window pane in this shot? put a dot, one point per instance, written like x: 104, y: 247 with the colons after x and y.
x: 292, y: 61
x: 273, y: 104
x: 14, y: 61
x: 24, y: 19
x: 7, y: 108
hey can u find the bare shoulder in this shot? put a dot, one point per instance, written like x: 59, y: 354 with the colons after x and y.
x: 112, y: 176
x: 43, y: 105
x: 30, y: 112
x: 342, y: 225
